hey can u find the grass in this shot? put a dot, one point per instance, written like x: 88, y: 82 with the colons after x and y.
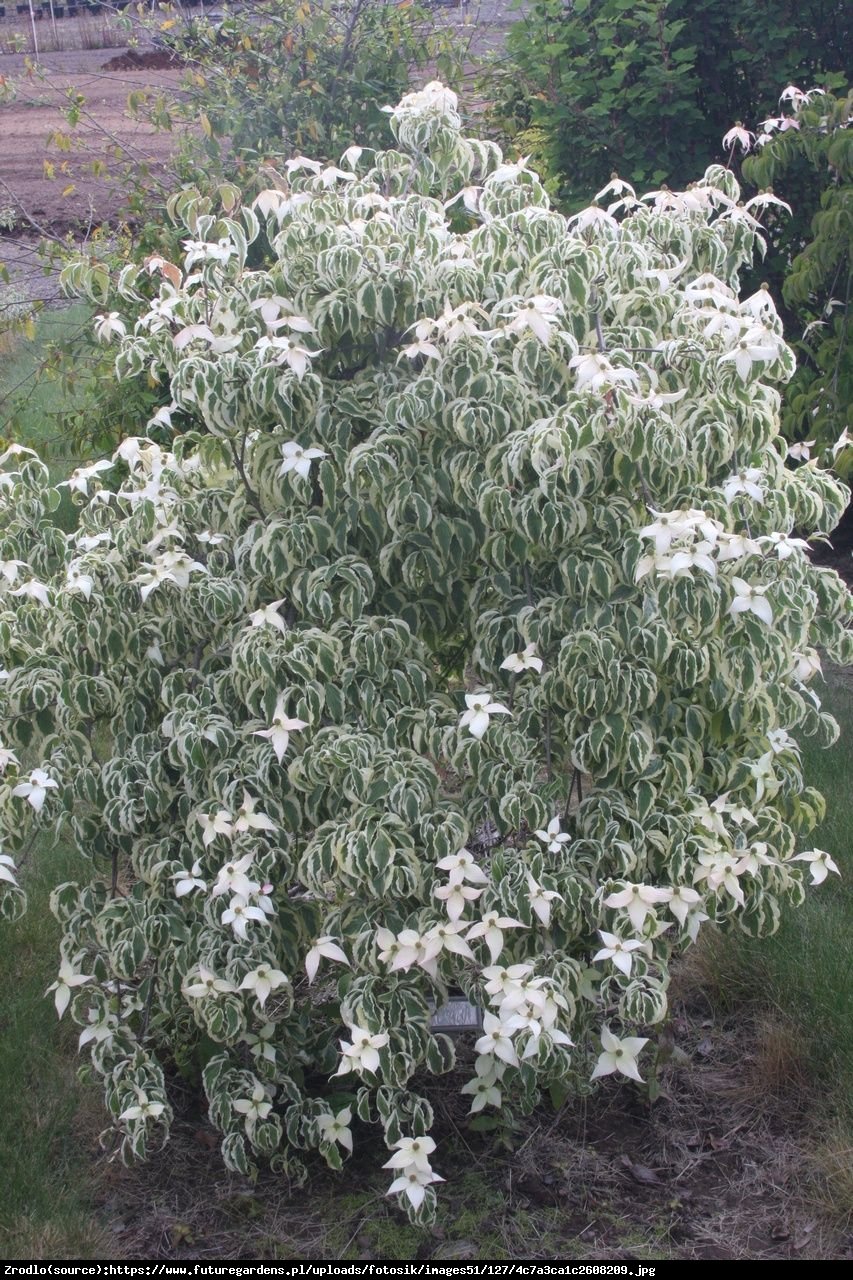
x: 803, y: 974
x: 48, y: 1118
x: 799, y: 983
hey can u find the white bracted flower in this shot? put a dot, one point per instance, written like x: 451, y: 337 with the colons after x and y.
x: 411, y: 1153
x: 207, y: 985
x: 554, y: 836
x: 483, y: 1089
x: 619, y: 1056
x: 335, y: 1128
x: 820, y: 864
x: 32, y: 589
x: 413, y: 1183
x: 255, y: 1108
x: 738, y: 136
x: 638, y: 901
x: 263, y: 981
x: 240, y: 913
x: 461, y: 866
x: 490, y: 929
x: 220, y: 824
x: 297, y: 459
x: 807, y: 665
x: 541, y: 899
x: 280, y: 729
x: 480, y: 708
x: 748, y: 482
x: 538, y: 315
x: 399, y: 951
x: 143, y: 1109
x: 232, y: 878
x: 751, y: 599
x: 68, y: 978
x: 323, y: 948
x: 362, y: 1052
x: 496, y: 1040
x: 619, y: 951
x: 682, y: 902
x: 249, y: 819
x: 268, y: 616
x: 526, y: 660
x: 34, y: 790
x: 189, y: 880
x: 456, y: 897
x: 109, y: 326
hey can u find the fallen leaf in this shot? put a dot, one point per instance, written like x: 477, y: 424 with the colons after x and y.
x: 641, y: 1172
x: 803, y: 1239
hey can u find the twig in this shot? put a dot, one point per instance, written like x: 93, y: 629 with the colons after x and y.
x: 149, y: 1000
x: 239, y: 464
x: 528, y: 585
x: 43, y: 232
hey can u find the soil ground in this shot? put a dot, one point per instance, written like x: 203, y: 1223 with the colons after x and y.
x: 27, y: 122
x: 717, y: 1168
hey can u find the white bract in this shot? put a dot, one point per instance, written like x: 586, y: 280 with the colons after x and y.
x: 34, y: 790
x: 335, y: 1128
x: 323, y: 947
x: 480, y: 708
x: 456, y: 641
x: 750, y: 598
x: 819, y: 863
x: 68, y: 979
x: 526, y: 660
x: 619, y: 1055
x: 554, y: 836
x: 297, y: 459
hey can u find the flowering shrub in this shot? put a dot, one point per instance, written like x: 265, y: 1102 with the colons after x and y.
x: 462, y: 644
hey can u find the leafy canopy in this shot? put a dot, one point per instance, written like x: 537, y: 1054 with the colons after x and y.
x: 458, y: 642
x: 808, y: 150
x: 647, y: 87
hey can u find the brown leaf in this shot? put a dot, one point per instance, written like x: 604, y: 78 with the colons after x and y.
x: 803, y: 1239
x: 640, y: 1172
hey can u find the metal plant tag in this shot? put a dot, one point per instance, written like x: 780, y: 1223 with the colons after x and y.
x: 457, y: 1015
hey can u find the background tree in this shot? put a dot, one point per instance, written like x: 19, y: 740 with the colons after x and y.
x: 647, y: 88
x: 806, y: 158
